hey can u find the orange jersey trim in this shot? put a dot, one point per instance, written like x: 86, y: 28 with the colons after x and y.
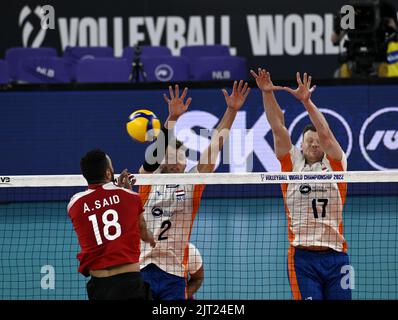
x: 292, y: 274
x: 197, y: 195
x: 287, y: 166
x: 342, y: 186
x: 144, y: 192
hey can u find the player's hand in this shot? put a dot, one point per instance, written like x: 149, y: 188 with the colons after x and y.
x: 126, y: 180
x: 151, y: 240
x: 263, y: 80
x: 176, y: 103
x: 304, y: 90
x: 238, y: 96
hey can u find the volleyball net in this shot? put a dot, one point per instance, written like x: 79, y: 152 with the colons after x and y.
x: 241, y: 230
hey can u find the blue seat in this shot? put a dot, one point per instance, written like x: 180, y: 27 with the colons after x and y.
x: 4, y: 73
x: 78, y: 53
x: 219, y: 68
x: 166, y: 69
x: 147, y: 51
x: 73, y: 55
x: 193, y: 52
x: 43, y: 70
x: 14, y: 56
x: 103, y: 70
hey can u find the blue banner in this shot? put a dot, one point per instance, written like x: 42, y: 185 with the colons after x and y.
x: 47, y: 132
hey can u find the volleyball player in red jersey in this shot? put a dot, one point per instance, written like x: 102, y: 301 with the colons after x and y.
x: 109, y: 224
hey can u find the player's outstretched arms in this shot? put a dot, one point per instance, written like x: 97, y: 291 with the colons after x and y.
x: 327, y: 140
x: 234, y: 102
x: 177, y: 106
x: 146, y: 235
x: 273, y: 112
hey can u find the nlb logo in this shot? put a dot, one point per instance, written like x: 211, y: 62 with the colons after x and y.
x: 221, y: 75
x: 335, y: 120
x: 47, y: 72
x: 378, y: 139
x: 164, y: 72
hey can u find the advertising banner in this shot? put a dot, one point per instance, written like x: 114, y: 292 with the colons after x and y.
x: 47, y: 132
x: 286, y: 35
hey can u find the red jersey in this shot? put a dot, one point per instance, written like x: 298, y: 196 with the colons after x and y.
x: 106, y: 220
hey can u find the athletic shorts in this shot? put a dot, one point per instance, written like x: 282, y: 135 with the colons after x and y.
x: 124, y: 286
x: 164, y: 286
x: 318, y: 275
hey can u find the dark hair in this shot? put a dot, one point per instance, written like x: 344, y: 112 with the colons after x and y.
x: 93, y: 166
x: 308, y: 127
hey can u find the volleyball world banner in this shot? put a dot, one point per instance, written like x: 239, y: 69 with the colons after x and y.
x: 287, y: 35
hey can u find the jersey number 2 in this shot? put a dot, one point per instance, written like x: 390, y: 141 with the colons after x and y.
x: 107, y: 224
x: 315, y: 209
x: 167, y: 225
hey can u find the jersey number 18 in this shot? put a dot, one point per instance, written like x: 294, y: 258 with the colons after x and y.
x: 113, y: 222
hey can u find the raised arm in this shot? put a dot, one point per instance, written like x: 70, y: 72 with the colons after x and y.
x: 127, y: 180
x: 275, y: 117
x: 303, y: 93
x: 234, y: 102
x: 177, y: 107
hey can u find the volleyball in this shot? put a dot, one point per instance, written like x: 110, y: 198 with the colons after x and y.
x: 143, y: 126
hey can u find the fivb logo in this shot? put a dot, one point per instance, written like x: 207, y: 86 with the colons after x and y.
x: 378, y: 139
x: 45, y: 14
x: 341, y: 129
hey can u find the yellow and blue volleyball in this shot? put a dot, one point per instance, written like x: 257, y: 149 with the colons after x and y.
x: 143, y: 125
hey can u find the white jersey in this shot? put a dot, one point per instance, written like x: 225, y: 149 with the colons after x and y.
x: 195, y: 260
x: 170, y: 212
x: 314, y: 211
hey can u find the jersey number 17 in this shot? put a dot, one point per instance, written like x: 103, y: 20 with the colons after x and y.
x: 315, y: 209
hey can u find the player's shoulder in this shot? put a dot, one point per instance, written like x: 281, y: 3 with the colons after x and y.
x: 293, y: 153
x: 78, y: 196
x: 339, y: 165
x: 294, y: 156
x: 296, y: 153
x: 111, y: 186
